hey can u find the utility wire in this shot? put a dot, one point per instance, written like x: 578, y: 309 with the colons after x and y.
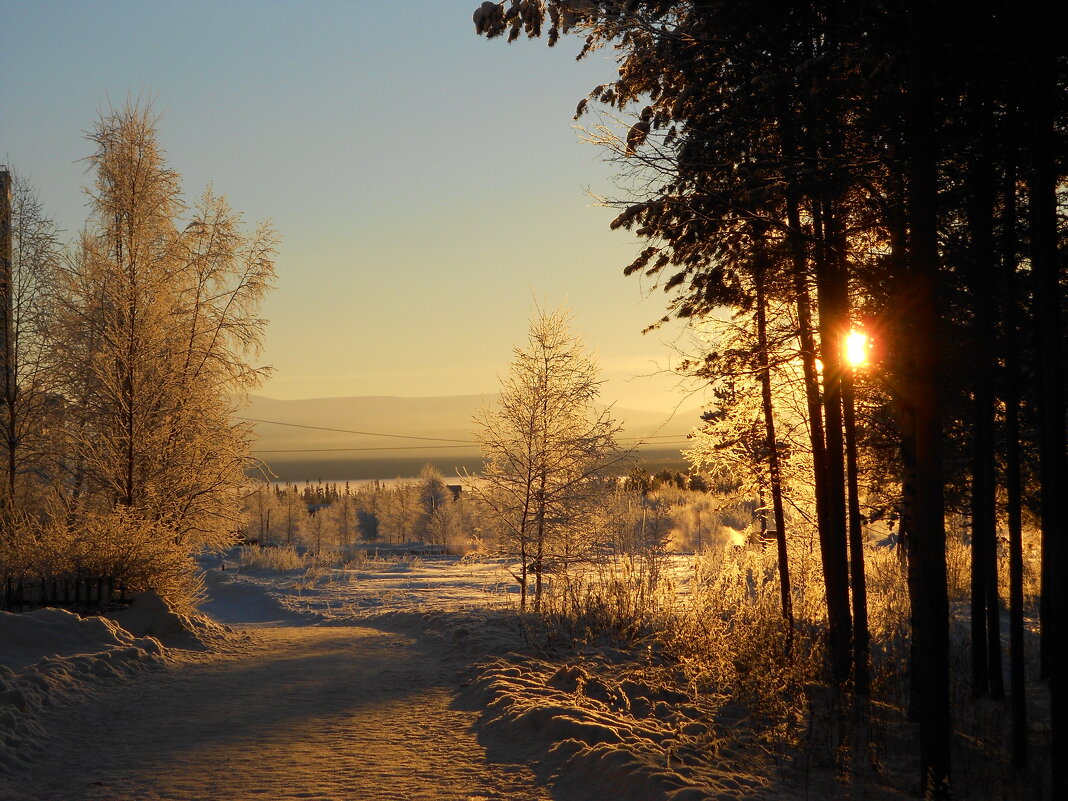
x: 406, y: 436
x: 394, y: 448
x: 381, y: 448
x: 350, y: 431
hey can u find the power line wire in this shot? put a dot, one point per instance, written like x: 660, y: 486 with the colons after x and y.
x: 409, y: 436
x: 381, y: 448
x: 350, y: 431
x: 392, y: 448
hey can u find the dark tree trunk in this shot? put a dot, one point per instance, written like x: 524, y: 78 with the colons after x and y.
x: 773, y: 449
x: 906, y: 532
x: 812, y: 397
x: 1042, y: 184
x: 833, y: 549
x: 834, y: 570
x: 8, y: 383
x: 857, y: 581
x: 922, y: 390
x: 898, y: 231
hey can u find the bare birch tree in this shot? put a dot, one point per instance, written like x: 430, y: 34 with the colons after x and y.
x: 546, y: 444
x: 434, y: 501
x: 157, y: 320
x: 28, y: 400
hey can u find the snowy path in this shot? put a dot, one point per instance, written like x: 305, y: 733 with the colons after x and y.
x: 297, y: 712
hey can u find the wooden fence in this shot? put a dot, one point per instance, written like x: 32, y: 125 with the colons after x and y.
x: 82, y: 591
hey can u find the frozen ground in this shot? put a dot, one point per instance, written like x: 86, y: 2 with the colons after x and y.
x: 291, y: 712
x: 346, y: 684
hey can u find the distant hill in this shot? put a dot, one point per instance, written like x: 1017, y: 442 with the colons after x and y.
x: 291, y: 439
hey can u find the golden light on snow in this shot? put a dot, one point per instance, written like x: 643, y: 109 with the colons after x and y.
x: 856, y: 348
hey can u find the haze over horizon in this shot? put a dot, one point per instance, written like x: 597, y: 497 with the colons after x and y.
x: 383, y: 436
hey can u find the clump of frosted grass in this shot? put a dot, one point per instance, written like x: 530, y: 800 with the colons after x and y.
x: 280, y: 559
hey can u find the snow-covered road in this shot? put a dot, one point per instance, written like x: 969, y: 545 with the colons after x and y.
x: 293, y: 712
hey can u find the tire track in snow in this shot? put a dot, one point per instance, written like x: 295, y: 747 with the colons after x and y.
x: 294, y: 713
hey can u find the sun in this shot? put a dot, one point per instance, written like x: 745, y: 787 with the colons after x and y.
x: 856, y: 348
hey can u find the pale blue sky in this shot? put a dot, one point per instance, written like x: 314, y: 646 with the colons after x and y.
x: 427, y: 183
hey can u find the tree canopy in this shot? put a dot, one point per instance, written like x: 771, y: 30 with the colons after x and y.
x: 893, y: 165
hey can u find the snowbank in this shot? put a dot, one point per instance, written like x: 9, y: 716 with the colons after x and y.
x: 148, y: 615
x: 598, y: 723
x: 52, y: 656
x: 242, y: 599
x: 29, y: 637
x: 606, y: 730
x: 49, y: 656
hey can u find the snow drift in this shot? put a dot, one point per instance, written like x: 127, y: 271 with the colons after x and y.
x: 51, y: 656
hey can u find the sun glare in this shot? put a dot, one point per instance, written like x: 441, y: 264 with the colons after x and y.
x: 856, y: 348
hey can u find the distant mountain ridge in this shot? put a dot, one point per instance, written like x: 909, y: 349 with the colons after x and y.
x: 372, y: 428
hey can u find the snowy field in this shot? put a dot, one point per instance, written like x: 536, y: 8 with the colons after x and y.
x: 401, y: 677
x: 378, y: 580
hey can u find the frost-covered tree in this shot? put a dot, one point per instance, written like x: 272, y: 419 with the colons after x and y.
x: 29, y: 404
x: 157, y: 320
x: 434, y: 500
x: 545, y: 443
x: 291, y: 506
x: 344, y: 514
x: 398, y: 513
x: 262, y: 512
x: 317, y: 528
x: 366, y: 502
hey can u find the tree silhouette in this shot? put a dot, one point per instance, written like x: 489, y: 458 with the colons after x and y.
x: 871, y: 145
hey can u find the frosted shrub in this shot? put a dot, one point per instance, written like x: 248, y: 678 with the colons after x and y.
x: 618, y: 599
x: 731, y: 636
x: 697, y: 523
x: 280, y: 560
x: 888, y: 619
x: 137, y: 554
x: 958, y: 567
x: 356, y: 559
